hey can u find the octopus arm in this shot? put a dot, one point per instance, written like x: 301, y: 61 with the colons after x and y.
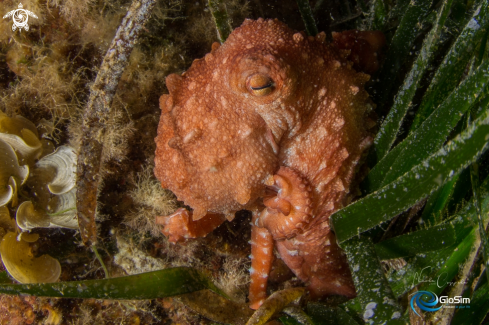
x: 179, y: 226
x: 261, y: 263
x: 288, y: 208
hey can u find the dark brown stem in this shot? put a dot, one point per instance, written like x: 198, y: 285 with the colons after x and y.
x: 97, y: 113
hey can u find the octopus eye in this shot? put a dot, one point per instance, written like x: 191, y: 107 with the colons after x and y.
x: 260, y: 85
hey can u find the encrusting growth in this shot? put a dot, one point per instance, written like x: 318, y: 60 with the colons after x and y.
x: 97, y: 110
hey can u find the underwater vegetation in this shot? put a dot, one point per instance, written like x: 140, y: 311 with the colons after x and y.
x: 51, y: 203
x: 419, y: 222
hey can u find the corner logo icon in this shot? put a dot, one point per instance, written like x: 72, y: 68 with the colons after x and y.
x: 20, y: 17
x: 427, y: 301
x: 422, y: 304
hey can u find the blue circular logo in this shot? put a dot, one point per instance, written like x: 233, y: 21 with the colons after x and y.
x: 422, y: 304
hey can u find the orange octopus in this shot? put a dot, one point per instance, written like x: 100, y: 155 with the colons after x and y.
x: 274, y: 122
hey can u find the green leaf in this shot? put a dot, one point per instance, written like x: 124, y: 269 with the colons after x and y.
x: 398, y: 10
x: 432, y: 134
x: 374, y: 295
x: 158, y: 284
x: 392, y: 123
x: 461, y: 13
x: 473, y: 279
x: 307, y: 17
x: 100, y: 260
x: 474, y: 176
x: 288, y: 320
x: 5, y: 278
x: 452, y: 68
x: 415, y: 185
x: 437, y: 202
x: 445, y: 274
x: 221, y: 19
x: 482, y: 48
x: 428, y: 266
x: 378, y: 15
x: 418, y: 269
x: 417, y: 242
x: 400, y: 46
x: 460, y: 192
x: 325, y: 315
x: 478, y: 308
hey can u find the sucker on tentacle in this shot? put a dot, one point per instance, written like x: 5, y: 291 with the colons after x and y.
x: 289, y: 212
x: 261, y: 264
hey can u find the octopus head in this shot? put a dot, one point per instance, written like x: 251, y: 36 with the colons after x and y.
x: 221, y: 125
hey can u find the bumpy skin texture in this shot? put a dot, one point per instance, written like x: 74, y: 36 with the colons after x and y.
x: 364, y: 47
x: 275, y: 122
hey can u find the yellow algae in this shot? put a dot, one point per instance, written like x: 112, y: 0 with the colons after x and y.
x: 23, y: 266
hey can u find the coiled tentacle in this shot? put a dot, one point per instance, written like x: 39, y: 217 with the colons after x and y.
x: 289, y: 210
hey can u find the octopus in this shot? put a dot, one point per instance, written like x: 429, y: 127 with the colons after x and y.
x: 275, y: 122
